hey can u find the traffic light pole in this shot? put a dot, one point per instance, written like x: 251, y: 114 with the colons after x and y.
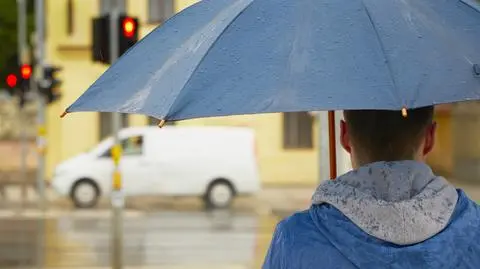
x: 41, y: 142
x: 22, y: 31
x: 118, y: 199
x: 41, y: 130
x: 22, y: 59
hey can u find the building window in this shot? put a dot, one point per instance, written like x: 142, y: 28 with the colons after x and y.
x: 106, y: 121
x: 154, y: 122
x: 70, y: 17
x: 297, y: 130
x: 159, y: 10
x: 106, y: 5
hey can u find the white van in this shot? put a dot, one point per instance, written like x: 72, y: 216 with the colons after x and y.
x: 215, y: 163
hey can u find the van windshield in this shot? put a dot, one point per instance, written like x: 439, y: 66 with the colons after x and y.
x: 130, y: 146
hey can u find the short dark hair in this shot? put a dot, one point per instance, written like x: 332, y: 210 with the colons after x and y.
x: 386, y: 135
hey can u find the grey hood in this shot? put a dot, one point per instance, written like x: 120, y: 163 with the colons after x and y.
x: 400, y: 202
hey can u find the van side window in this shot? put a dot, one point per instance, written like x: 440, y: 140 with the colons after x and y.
x: 131, y: 146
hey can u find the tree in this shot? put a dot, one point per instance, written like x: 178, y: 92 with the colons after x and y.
x: 8, y: 36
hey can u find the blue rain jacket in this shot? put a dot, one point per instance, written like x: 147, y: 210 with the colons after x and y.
x: 383, y: 215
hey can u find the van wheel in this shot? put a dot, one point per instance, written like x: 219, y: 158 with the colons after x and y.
x: 85, y: 194
x: 219, y: 194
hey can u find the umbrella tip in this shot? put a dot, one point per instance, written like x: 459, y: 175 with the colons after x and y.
x: 404, y: 112
x: 161, y: 124
x: 63, y: 114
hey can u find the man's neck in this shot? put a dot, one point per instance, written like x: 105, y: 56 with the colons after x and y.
x: 392, y: 181
x: 357, y: 163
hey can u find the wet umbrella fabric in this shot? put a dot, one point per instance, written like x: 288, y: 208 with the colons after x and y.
x: 228, y: 57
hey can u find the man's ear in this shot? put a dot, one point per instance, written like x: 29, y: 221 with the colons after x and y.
x: 430, y: 138
x: 345, y: 137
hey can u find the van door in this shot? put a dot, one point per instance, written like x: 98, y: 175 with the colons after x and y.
x: 134, y: 166
x: 179, y: 163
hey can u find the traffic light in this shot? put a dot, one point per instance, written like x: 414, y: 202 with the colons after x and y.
x: 24, y: 83
x: 26, y: 71
x: 49, y: 86
x: 128, y: 26
x: 127, y: 36
x: 100, y: 40
x: 18, y: 82
x: 25, y: 75
x: 11, y: 80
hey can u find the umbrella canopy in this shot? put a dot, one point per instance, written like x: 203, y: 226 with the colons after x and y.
x: 228, y: 57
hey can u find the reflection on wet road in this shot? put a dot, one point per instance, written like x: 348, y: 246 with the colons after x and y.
x: 163, y: 239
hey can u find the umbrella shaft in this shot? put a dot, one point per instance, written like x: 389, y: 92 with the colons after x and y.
x: 332, y: 146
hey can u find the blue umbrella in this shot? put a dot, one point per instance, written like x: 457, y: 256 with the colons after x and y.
x: 226, y: 57
x: 230, y: 57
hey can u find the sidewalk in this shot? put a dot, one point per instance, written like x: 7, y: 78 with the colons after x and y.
x: 271, y: 200
x: 284, y: 201
x: 280, y: 201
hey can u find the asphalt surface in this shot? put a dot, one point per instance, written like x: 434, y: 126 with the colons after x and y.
x: 162, y: 239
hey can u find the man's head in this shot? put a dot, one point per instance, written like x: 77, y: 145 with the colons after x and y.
x: 383, y: 135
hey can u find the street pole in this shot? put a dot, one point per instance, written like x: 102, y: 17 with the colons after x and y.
x: 22, y: 31
x: 323, y: 146
x: 118, y: 200
x: 41, y: 130
x: 22, y: 59
x: 41, y: 141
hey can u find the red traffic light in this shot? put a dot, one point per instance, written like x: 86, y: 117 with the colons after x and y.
x: 129, y: 27
x: 11, y: 80
x: 26, y: 71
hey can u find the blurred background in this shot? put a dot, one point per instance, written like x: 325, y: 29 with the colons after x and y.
x: 55, y: 173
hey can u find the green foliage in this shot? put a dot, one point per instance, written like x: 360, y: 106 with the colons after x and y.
x: 8, y: 35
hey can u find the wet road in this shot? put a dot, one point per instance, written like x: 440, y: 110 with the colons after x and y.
x: 167, y: 239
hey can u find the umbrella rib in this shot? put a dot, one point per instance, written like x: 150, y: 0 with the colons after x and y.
x: 382, y: 47
x: 205, y: 55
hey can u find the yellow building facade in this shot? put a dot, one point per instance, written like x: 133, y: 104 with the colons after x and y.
x: 68, y: 45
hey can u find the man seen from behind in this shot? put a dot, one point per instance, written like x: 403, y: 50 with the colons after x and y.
x: 390, y: 211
